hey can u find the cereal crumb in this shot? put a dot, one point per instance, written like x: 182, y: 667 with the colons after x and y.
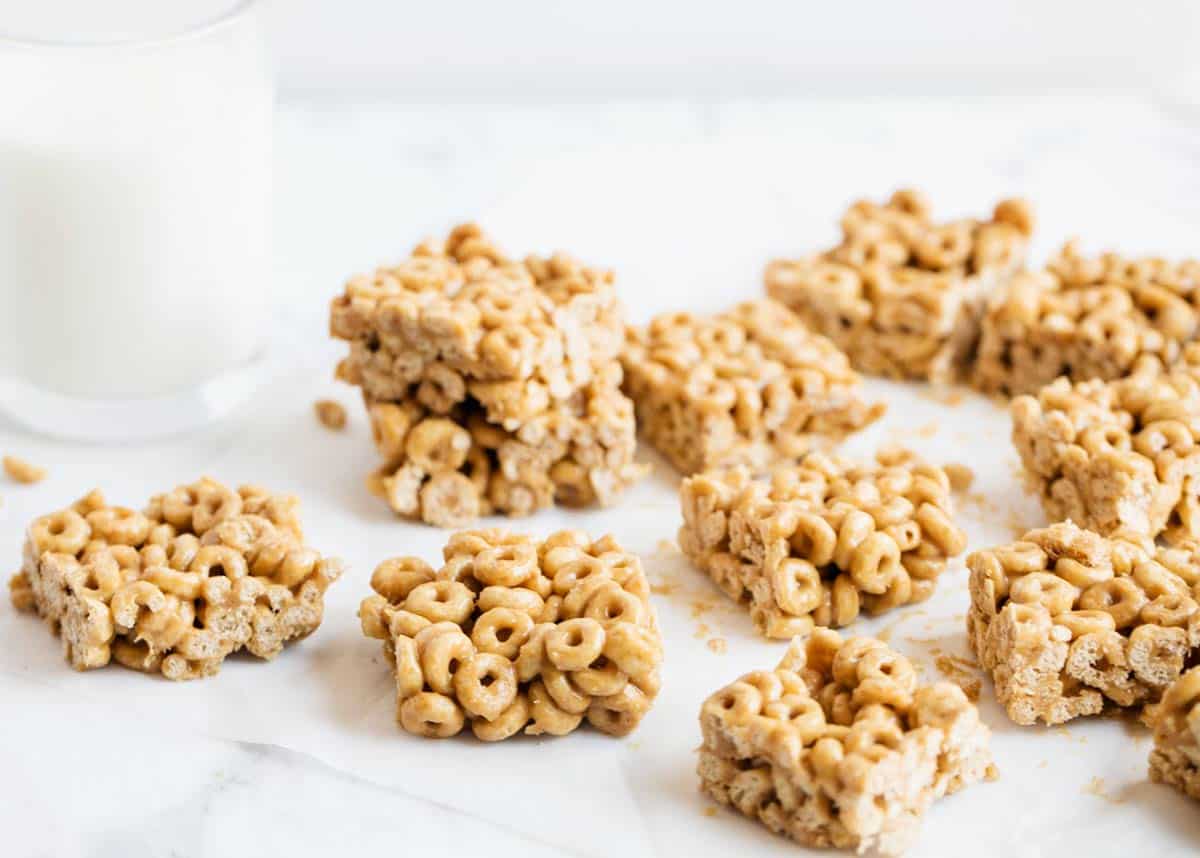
x: 718, y: 645
x: 710, y: 811
x: 22, y: 471
x: 960, y: 672
x: 943, y: 395
x: 667, y: 546
x: 331, y: 414
x: 702, y: 630
x: 961, y: 476
x: 1096, y: 787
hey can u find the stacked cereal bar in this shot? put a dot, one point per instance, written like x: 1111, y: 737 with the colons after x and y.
x: 492, y: 384
x: 903, y: 295
x: 818, y: 541
x: 1175, y: 759
x: 1119, y: 455
x: 203, y: 572
x: 839, y: 745
x: 513, y: 634
x: 1086, y: 318
x: 1065, y: 619
x: 747, y: 387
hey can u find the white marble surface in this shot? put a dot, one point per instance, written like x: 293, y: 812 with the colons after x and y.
x: 302, y: 757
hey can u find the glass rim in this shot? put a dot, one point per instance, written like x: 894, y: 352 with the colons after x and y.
x: 205, y: 26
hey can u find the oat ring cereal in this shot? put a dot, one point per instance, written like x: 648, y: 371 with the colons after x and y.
x: 513, y: 635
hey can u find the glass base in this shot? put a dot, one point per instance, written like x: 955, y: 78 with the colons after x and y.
x: 131, y: 419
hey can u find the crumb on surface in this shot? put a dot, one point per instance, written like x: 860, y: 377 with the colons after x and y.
x: 962, y: 673
x: 718, y: 645
x: 22, y: 471
x: 961, y: 476
x: 330, y: 413
x: 1097, y: 788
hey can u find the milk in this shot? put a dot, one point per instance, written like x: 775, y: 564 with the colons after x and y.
x: 134, y: 191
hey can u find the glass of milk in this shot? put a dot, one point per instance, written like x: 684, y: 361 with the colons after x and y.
x: 135, y: 168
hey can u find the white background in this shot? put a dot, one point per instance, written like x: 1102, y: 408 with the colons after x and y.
x: 537, y: 50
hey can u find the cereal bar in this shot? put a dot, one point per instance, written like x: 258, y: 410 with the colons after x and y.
x: 447, y: 470
x: 515, y: 634
x: 202, y: 572
x: 1065, y: 619
x: 839, y: 745
x: 747, y: 387
x: 1118, y: 455
x: 820, y: 541
x: 903, y: 295
x: 1175, y: 758
x: 493, y: 385
x: 461, y: 314
x: 1086, y: 318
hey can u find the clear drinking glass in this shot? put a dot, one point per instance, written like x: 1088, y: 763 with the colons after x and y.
x: 135, y: 180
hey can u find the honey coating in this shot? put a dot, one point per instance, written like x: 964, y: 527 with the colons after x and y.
x: 1086, y: 318
x: 513, y: 634
x: 1067, y: 621
x: 1175, y: 757
x: 823, y: 540
x: 204, y: 571
x: 901, y: 294
x: 840, y: 746
x: 750, y: 386
x: 1120, y: 455
x: 492, y: 385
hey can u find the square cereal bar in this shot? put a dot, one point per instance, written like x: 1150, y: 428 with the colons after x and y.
x: 447, y: 470
x: 747, y: 387
x: 1065, y: 620
x: 1118, y: 455
x: 459, y: 318
x: 1086, y: 318
x: 818, y: 541
x: 840, y: 746
x: 492, y: 385
x: 203, y: 572
x: 903, y: 295
x: 1175, y: 758
x: 516, y: 634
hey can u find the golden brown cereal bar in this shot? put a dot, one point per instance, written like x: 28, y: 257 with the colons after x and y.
x: 839, y: 745
x: 750, y: 386
x: 820, y: 541
x: 448, y: 470
x: 492, y: 385
x: 1086, y: 318
x: 203, y: 572
x: 517, y: 634
x: 1175, y: 758
x: 1065, y: 620
x: 1120, y: 455
x: 903, y: 295
x: 460, y: 311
